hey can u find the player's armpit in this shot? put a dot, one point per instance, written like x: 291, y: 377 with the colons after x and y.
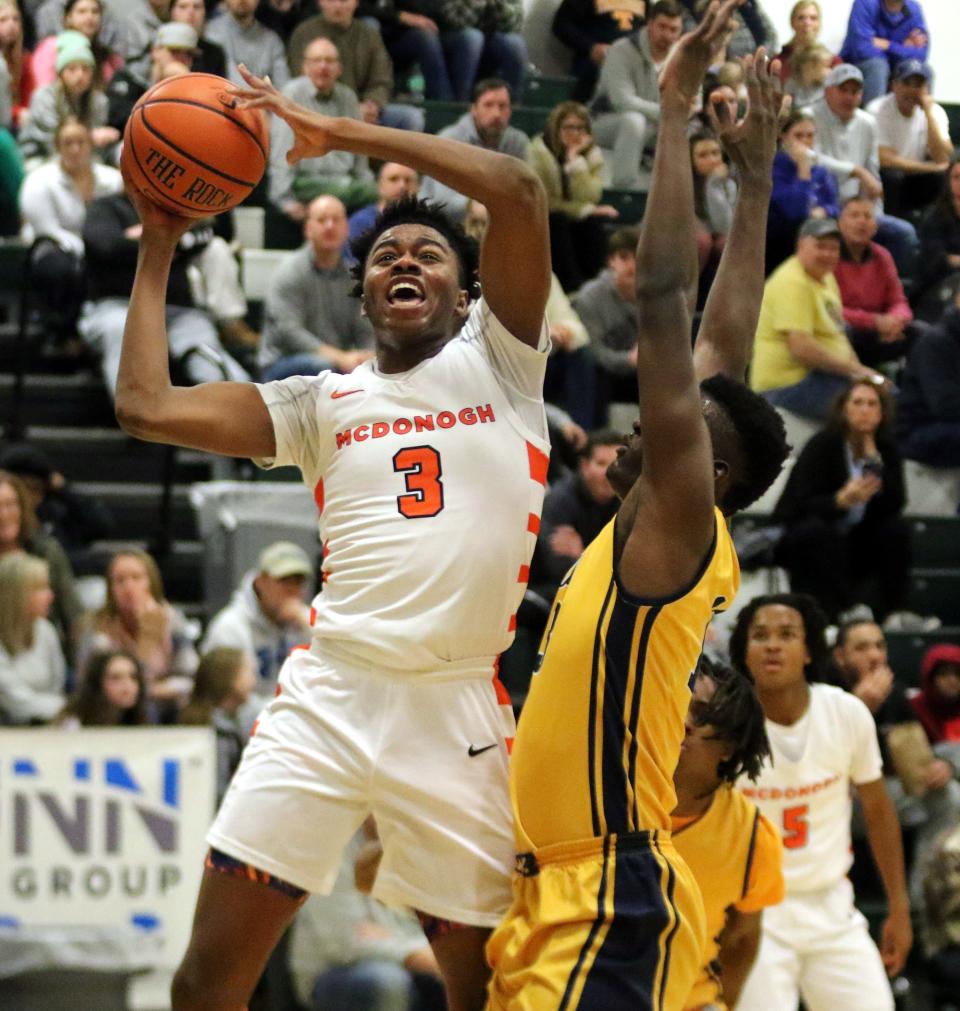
x: 227, y: 418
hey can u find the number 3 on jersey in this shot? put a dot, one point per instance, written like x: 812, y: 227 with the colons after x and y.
x: 421, y: 465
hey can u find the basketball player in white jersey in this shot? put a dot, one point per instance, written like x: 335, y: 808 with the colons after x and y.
x: 427, y: 466
x: 823, y: 742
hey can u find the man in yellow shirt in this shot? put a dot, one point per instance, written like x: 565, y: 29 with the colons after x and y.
x: 736, y: 855
x: 801, y: 358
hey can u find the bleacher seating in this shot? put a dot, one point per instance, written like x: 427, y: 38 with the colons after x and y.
x: 546, y: 92
x: 630, y: 203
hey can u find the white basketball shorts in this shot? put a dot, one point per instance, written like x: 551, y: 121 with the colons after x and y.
x: 425, y: 754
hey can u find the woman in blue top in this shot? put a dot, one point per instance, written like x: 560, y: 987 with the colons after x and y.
x: 801, y: 188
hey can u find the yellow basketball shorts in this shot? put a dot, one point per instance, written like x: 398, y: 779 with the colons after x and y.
x: 614, y: 924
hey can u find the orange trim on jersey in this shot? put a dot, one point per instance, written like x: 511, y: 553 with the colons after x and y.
x: 313, y: 616
x: 539, y: 462
x: 318, y: 495
x: 296, y: 649
x: 277, y: 690
x: 533, y: 523
x: 524, y: 575
x: 512, y: 624
x: 503, y: 696
x: 253, y: 729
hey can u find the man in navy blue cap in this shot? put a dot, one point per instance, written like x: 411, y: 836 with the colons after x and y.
x: 914, y: 138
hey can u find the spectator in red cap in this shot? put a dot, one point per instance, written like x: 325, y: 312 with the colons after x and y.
x: 938, y: 704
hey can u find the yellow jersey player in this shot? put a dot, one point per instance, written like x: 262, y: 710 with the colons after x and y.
x: 735, y: 854
x: 605, y: 914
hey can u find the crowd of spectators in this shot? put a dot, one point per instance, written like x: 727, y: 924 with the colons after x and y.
x: 859, y: 331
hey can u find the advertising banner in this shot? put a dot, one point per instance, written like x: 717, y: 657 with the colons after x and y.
x: 101, y: 845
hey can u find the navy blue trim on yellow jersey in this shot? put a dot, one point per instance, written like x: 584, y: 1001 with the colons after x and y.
x: 668, y: 943
x: 594, y: 930
x: 592, y: 713
x: 751, y: 850
x: 634, y: 723
x: 617, y: 708
x: 670, y: 598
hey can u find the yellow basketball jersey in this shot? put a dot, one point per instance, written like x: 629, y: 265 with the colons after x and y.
x: 601, y: 728
x: 737, y: 858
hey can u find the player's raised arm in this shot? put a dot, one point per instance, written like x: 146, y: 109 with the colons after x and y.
x: 671, y: 505
x: 228, y: 418
x: 515, y: 262
x: 725, y: 341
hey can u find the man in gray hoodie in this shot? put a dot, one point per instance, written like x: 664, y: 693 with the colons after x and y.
x: 267, y: 615
x: 626, y: 106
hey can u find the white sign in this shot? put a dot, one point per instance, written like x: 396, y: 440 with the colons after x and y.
x: 102, y: 834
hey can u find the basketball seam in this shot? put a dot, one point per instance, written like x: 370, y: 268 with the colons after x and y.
x: 201, y: 105
x: 187, y: 154
x: 166, y: 194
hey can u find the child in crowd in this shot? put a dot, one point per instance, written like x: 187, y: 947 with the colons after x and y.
x: 810, y: 69
x: 111, y: 694
x: 224, y: 681
x: 714, y: 195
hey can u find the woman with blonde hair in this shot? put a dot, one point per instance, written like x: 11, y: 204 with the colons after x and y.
x: 32, y: 667
x: 806, y: 20
x: 17, y: 60
x: 136, y: 617
x: 570, y: 166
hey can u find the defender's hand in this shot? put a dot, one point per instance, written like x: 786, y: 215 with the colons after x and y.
x: 751, y: 143
x: 311, y: 131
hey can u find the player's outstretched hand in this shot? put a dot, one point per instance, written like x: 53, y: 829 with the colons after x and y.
x: 751, y: 143
x: 896, y: 940
x: 311, y: 131
x: 154, y: 218
x: 690, y: 60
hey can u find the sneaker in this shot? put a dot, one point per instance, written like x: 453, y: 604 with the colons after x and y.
x: 908, y: 621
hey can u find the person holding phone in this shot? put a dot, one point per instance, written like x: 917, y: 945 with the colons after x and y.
x: 842, y: 510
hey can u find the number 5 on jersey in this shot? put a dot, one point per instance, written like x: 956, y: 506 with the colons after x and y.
x: 421, y: 465
x: 796, y: 828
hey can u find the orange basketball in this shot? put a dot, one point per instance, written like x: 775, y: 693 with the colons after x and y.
x: 189, y: 149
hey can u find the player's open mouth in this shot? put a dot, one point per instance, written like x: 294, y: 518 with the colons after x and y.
x: 405, y: 293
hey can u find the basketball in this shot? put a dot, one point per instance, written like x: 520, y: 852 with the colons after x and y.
x: 189, y: 148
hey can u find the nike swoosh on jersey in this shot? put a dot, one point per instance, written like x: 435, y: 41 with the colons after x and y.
x: 337, y: 394
x: 473, y: 752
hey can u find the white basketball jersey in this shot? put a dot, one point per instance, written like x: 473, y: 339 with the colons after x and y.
x: 429, y: 486
x: 805, y: 791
